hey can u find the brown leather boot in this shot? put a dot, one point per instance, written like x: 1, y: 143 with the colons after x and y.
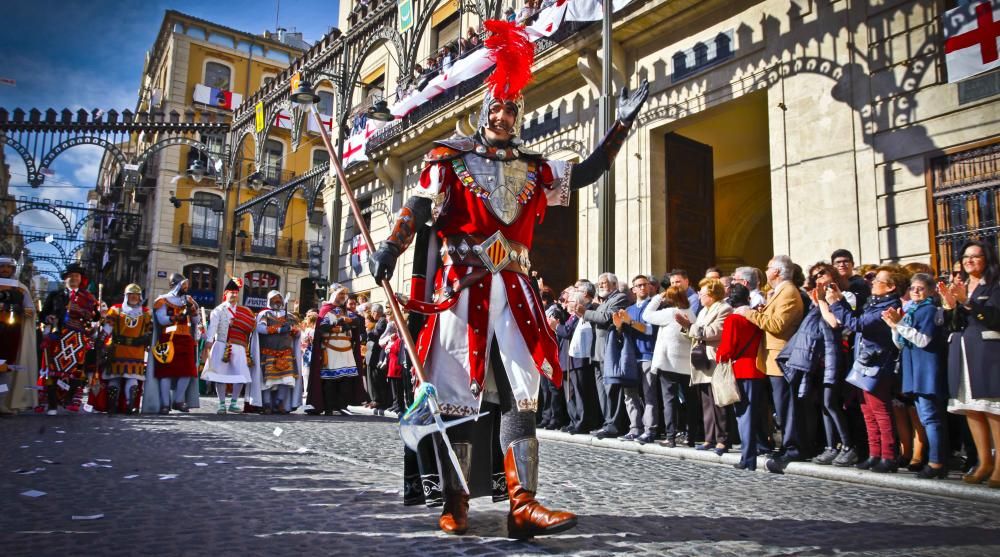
x: 455, y: 516
x: 527, y: 516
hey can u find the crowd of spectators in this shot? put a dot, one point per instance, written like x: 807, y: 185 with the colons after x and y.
x: 879, y: 368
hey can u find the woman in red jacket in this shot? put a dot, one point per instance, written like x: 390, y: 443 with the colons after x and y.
x: 740, y: 340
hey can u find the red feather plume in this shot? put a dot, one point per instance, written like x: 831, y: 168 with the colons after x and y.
x: 513, y: 53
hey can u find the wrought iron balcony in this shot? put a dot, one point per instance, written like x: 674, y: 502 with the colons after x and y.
x: 397, y: 127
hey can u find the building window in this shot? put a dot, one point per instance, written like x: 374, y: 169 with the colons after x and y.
x: 273, y: 153
x: 256, y: 285
x: 320, y: 156
x: 201, y: 283
x: 266, y: 239
x: 217, y: 75
x: 205, y: 222
x: 965, y: 187
x: 325, y: 102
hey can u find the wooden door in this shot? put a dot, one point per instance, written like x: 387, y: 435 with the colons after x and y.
x: 554, y: 248
x: 690, y: 206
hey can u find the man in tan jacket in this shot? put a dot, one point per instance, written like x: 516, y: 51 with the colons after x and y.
x: 779, y: 318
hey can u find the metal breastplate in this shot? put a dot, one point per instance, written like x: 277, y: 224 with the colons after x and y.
x: 504, y: 186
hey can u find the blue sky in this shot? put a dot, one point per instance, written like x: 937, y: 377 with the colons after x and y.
x: 89, y: 54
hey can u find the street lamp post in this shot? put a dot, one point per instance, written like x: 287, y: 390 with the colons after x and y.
x: 605, y: 192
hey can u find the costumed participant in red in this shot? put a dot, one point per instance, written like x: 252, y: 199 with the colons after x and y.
x: 231, y: 346
x: 280, y: 356
x: 71, y: 312
x: 129, y: 328
x: 18, y: 358
x: 174, y: 363
x: 333, y: 372
x: 485, y: 342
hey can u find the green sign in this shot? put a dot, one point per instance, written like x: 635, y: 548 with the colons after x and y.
x: 405, y: 14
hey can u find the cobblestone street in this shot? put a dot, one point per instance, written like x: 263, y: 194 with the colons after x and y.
x: 207, y: 485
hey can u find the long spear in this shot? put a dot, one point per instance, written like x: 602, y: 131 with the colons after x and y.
x: 410, y: 430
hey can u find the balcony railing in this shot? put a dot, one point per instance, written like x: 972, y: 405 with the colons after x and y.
x: 394, y: 129
x: 287, y: 250
x: 190, y: 236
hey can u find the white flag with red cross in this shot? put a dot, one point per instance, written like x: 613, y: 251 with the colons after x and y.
x: 972, y: 39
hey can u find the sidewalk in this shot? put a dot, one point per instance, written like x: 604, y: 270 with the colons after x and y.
x: 903, y: 480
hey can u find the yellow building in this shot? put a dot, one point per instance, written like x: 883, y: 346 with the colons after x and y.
x: 202, y: 67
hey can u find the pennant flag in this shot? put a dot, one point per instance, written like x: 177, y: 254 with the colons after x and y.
x: 359, y: 254
x: 971, y: 39
x: 216, y: 97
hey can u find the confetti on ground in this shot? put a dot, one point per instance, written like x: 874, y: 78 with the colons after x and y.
x: 88, y: 516
x: 131, y: 476
x: 168, y: 476
x: 24, y: 446
x: 26, y: 472
x: 102, y: 460
x: 47, y: 461
x: 302, y: 450
x: 89, y: 465
x: 201, y: 464
x: 278, y: 431
x: 221, y: 462
x: 33, y: 493
x: 60, y: 431
x: 57, y: 442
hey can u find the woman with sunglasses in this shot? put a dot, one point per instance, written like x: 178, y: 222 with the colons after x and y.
x: 972, y: 310
x: 921, y: 339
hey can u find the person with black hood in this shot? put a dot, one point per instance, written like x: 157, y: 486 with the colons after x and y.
x: 874, y: 361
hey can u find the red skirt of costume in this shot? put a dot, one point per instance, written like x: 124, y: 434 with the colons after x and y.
x: 184, y: 363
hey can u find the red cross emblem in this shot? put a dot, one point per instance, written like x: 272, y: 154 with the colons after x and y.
x: 984, y: 35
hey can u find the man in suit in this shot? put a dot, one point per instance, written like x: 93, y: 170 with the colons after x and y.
x: 611, y: 397
x: 779, y: 318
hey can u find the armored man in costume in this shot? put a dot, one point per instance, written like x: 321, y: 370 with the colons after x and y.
x: 129, y: 327
x: 174, y: 365
x: 71, y: 313
x: 485, y: 341
x: 230, y: 362
x: 280, y: 355
x: 18, y: 359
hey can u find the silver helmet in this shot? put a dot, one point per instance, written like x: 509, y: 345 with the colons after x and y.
x: 489, y: 100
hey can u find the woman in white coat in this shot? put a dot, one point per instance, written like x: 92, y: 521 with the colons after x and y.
x: 708, y: 328
x: 672, y: 359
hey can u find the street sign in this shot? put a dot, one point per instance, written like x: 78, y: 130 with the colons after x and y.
x: 161, y: 274
x: 405, y: 15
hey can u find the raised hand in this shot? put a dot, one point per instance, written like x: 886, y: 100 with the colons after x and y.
x: 383, y: 262
x: 630, y: 104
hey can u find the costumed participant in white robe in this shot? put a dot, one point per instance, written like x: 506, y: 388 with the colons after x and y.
x: 486, y: 343
x: 280, y: 356
x: 174, y: 365
x: 18, y: 358
x: 231, y: 343
x: 129, y: 328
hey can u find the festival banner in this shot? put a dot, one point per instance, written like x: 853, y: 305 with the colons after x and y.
x: 972, y: 39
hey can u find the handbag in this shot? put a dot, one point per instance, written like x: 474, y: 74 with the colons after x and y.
x: 724, y: 389
x: 863, y: 376
x: 699, y: 356
x: 164, y: 351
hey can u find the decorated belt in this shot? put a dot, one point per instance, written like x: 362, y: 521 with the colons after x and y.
x: 495, y: 253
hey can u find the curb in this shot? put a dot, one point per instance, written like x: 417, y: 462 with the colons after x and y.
x: 901, y: 481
